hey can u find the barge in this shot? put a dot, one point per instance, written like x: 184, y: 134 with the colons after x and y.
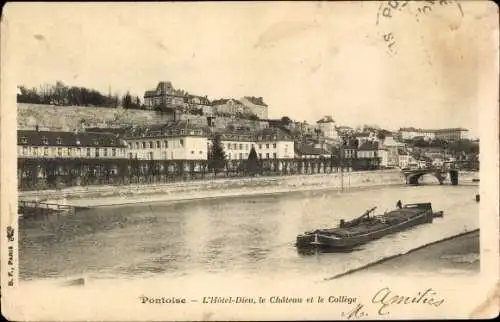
x: 365, y: 228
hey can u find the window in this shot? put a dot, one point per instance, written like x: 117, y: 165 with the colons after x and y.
x: 246, y: 146
x: 45, y: 140
x: 24, y: 139
x: 79, y: 152
x: 25, y: 150
x: 105, y: 152
x: 143, y: 145
x: 58, y: 141
x: 260, y: 146
x: 88, y: 152
x: 166, y: 144
x: 45, y: 151
x: 181, y: 141
x: 267, y: 145
x: 267, y: 155
x: 150, y: 155
x: 158, y: 145
x: 113, y: 152
x: 241, y: 155
x: 96, y: 152
x: 201, y: 152
x: 70, y: 152
x: 192, y: 151
x: 274, y: 155
x: 59, y: 152
x: 274, y: 145
x: 150, y: 144
x: 137, y: 145
x: 241, y: 146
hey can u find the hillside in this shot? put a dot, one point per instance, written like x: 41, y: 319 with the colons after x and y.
x: 68, y: 118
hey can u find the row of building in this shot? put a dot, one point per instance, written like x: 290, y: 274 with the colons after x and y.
x: 184, y: 141
x: 165, y: 94
x: 451, y: 134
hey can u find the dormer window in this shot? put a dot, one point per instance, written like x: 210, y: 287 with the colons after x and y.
x: 24, y: 140
x: 96, y: 142
x: 45, y: 140
x: 78, y: 141
x: 59, y: 141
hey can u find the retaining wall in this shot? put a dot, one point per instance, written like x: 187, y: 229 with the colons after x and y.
x: 113, y: 195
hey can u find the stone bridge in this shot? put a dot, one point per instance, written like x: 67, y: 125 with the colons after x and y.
x: 413, y: 175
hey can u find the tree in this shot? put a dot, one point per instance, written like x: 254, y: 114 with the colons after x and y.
x: 286, y: 120
x: 217, y: 156
x: 127, y: 101
x: 253, y: 164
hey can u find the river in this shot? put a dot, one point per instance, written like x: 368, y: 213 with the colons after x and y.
x: 242, y: 236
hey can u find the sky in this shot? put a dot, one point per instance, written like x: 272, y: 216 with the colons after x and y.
x: 306, y: 60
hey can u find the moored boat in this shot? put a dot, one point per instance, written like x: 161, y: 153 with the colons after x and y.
x: 363, y: 229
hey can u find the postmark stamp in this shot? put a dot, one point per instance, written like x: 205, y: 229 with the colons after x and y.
x: 391, y: 13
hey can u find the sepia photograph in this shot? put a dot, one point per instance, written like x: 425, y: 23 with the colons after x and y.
x: 249, y: 160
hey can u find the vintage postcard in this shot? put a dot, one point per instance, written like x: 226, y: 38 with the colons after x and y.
x: 174, y: 161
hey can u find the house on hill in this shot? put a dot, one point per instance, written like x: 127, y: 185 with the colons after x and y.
x: 228, y: 107
x: 327, y: 126
x: 255, y: 105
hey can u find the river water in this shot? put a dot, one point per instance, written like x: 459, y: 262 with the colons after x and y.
x: 244, y: 236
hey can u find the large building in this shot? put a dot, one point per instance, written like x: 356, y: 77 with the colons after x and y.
x: 63, y: 145
x: 165, y: 94
x: 175, y: 141
x: 49, y: 159
x: 269, y: 143
x: 451, y: 134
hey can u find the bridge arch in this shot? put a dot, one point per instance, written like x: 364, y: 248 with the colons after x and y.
x: 412, y: 177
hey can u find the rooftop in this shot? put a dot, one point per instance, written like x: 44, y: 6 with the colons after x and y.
x: 72, y: 139
x: 368, y: 146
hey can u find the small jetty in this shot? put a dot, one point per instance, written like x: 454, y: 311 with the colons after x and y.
x: 36, y: 208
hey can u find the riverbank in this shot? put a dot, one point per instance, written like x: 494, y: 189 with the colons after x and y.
x: 458, y: 254
x: 95, y: 196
